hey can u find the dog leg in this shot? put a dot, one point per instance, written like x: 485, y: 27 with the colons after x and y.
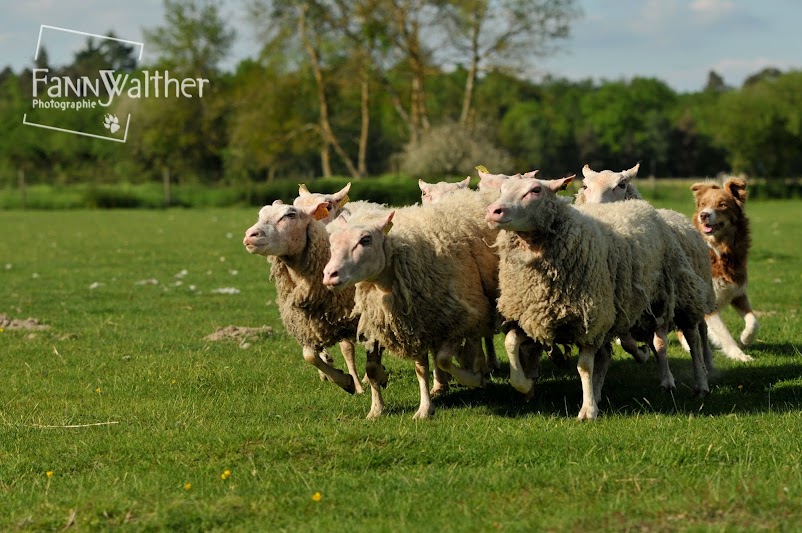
x: 718, y: 330
x: 741, y: 304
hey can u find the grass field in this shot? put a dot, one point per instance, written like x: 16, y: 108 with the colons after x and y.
x: 202, y: 435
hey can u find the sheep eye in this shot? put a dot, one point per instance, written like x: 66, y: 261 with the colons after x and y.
x: 536, y: 190
x: 290, y: 214
x: 622, y: 185
x: 365, y: 241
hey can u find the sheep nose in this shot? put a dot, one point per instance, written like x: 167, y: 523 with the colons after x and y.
x: 254, y: 233
x: 331, y: 277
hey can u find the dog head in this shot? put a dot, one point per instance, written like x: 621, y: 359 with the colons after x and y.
x: 718, y: 209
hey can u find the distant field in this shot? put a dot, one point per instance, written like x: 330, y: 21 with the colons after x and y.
x: 201, y: 435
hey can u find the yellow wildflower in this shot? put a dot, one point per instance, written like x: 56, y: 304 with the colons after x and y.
x: 187, y: 485
x: 316, y: 497
x: 225, y: 475
x: 49, y: 473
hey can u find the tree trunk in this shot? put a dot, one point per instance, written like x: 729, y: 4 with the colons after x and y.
x: 470, y: 83
x: 362, y: 166
x: 325, y: 125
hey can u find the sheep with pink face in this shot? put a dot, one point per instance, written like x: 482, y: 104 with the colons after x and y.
x: 584, y: 277
x: 295, y: 242
x: 423, y: 280
x: 431, y: 193
x: 333, y: 202
x: 607, y: 187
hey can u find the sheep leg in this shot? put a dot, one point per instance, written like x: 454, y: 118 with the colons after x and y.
x: 706, y: 349
x: 518, y: 377
x: 490, y: 354
x: 477, y: 356
x: 660, y: 347
x: 700, y: 386
x: 441, y: 378
x: 531, y: 352
x: 718, y: 332
x: 347, y: 348
x: 426, y: 409
x: 744, y: 308
x: 639, y: 353
x: 328, y: 359
x: 601, y: 362
x: 378, y: 379
x: 683, y: 342
x: 444, y: 359
x: 340, y: 378
x: 584, y: 366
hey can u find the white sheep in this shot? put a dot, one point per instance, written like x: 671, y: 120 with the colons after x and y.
x: 333, y: 202
x: 296, y: 244
x: 423, y: 286
x: 582, y: 275
x: 431, y: 193
x: 607, y: 187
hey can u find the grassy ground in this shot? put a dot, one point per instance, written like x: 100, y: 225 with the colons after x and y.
x: 181, y: 412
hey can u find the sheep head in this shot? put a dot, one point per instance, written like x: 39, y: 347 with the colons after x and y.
x: 526, y: 204
x: 432, y: 193
x: 494, y: 181
x: 334, y: 202
x: 281, y: 228
x: 357, y: 253
x: 608, y: 186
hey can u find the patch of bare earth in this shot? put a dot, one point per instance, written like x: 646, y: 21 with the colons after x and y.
x: 29, y: 324
x: 243, y: 335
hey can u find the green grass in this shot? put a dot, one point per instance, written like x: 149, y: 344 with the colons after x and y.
x: 188, y: 409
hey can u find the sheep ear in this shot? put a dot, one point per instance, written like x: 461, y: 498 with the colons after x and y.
x: 588, y: 173
x: 559, y: 184
x: 631, y: 173
x: 464, y: 183
x: 531, y: 174
x: 278, y: 202
x: 341, y: 197
x: 387, y: 223
x: 302, y: 190
x: 517, y: 176
x: 737, y: 188
x: 423, y: 185
x: 316, y: 210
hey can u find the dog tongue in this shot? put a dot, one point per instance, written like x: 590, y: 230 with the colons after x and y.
x: 708, y: 229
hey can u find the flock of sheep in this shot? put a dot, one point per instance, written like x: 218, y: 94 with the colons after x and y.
x: 445, y: 276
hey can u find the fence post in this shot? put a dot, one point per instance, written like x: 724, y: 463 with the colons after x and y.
x: 23, y: 189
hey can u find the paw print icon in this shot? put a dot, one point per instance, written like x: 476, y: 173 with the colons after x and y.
x: 111, y: 123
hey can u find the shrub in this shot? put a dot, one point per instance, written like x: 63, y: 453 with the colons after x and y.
x: 452, y: 150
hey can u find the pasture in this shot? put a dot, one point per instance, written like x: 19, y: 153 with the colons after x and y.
x: 177, y: 432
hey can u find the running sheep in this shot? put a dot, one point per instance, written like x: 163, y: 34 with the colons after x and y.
x: 296, y: 245
x: 425, y: 282
x: 582, y: 276
x: 607, y: 187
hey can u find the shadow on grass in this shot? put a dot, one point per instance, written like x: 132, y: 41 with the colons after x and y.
x: 632, y: 388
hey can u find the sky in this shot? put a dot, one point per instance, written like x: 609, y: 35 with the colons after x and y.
x: 678, y: 41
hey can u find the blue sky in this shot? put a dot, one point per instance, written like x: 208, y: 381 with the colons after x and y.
x: 678, y: 41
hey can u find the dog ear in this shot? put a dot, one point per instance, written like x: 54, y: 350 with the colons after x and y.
x: 699, y: 188
x: 737, y: 188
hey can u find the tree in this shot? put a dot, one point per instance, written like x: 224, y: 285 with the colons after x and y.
x: 503, y: 33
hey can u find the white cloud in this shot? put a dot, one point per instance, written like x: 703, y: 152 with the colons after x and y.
x: 713, y: 9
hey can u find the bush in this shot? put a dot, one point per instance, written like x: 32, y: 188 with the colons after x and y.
x: 451, y: 150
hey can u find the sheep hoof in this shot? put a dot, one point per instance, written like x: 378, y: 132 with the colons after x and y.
x: 349, y: 387
x: 740, y: 356
x: 642, y: 354
x: 373, y: 414
x: 423, y: 414
x: 439, y: 389
x: 588, y: 412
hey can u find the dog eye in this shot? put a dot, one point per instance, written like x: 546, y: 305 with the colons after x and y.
x: 366, y: 240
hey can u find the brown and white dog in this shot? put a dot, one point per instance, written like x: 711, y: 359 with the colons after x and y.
x: 721, y: 220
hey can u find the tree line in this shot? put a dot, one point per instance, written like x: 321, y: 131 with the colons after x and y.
x: 427, y: 88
